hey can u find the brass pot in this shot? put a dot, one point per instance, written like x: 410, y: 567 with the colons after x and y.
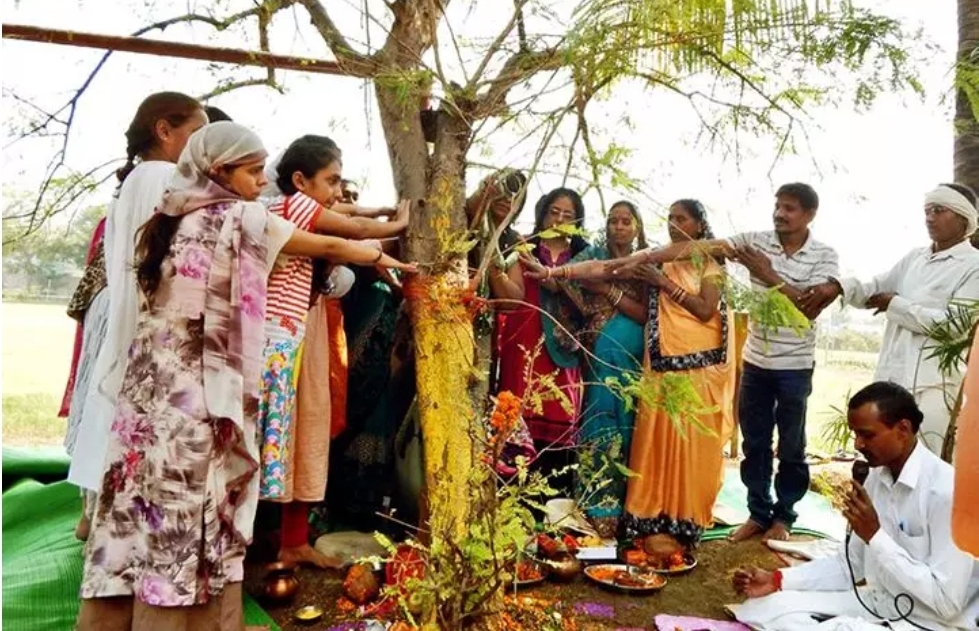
x: 281, y: 584
x: 564, y: 567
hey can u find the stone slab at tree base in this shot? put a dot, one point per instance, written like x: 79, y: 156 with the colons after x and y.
x: 350, y: 546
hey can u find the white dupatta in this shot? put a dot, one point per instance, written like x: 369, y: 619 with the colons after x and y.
x: 134, y: 204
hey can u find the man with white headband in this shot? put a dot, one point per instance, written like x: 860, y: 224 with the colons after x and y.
x: 915, y: 295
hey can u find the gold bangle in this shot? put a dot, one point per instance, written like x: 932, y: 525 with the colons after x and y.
x: 618, y: 297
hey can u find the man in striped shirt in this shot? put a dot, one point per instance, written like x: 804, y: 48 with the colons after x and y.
x: 778, y: 365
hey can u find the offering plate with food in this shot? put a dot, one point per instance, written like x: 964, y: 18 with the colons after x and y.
x: 625, y: 578
x: 529, y: 572
x: 583, y: 540
x: 594, y: 548
x: 660, y: 554
x: 583, y: 547
x: 558, y: 554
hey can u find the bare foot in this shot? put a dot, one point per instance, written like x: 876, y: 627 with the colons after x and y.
x: 778, y: 532
x: 747, y: 530
x: 83, y: 528
x: 310, y: 556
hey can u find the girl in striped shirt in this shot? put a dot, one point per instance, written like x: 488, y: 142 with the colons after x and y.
x: 308, y: 177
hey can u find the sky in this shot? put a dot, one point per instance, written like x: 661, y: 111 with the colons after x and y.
x: 871, y: 169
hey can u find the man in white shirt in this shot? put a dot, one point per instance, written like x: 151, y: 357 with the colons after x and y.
x: 914, y: 296
x: 902, y: 544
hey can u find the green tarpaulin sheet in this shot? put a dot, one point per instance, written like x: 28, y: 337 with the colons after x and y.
x: 816, y: 515
x: 42, y: 560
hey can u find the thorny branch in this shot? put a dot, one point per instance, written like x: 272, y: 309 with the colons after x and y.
x: 80, y: 185
x: 494, y: 47
x: 64, y: 116
x: 518, y: 68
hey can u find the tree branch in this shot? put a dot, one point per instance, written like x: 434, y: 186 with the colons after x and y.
x: 518, y: 68
x: 357, y: 64
x: 263, y: 11
x: 498, y: 42
x: 224, y: 88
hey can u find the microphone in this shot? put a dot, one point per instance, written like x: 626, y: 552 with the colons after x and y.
x: 860, y: 471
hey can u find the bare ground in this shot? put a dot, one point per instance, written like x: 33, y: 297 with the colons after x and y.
x: 703, y: 592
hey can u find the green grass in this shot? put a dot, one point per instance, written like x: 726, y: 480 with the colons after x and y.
x: 37, y: 344
x: 836, y: 375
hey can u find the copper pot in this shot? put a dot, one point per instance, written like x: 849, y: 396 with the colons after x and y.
x: 564, y: 567
x: 281, y: 584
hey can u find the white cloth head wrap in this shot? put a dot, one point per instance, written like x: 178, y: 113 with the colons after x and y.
x: 209, y: 148
x: 272, y: 190
x: 957, y: 203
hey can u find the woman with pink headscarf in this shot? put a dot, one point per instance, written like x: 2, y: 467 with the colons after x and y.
x: 180, y: 486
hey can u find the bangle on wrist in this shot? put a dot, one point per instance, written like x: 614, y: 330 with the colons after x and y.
x: 380, y: 253
x: 777, y: 580
x: 549, y: 272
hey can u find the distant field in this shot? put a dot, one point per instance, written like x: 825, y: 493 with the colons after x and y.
x: 37, y: 342
x: 838, y: 373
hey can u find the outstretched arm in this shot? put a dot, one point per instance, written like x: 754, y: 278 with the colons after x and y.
x: 354, y: 210
x: 506, y: 284
x: 339, y: 250
x: 352, y: 227
x: 628, y: 267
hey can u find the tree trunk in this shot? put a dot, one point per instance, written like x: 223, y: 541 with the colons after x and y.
x: 966, y: 154
x: 441, y: 321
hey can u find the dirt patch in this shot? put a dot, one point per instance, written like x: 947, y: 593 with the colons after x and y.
x: 703, y: 592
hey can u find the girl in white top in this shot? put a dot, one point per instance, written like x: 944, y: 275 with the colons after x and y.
x: 156, y: 136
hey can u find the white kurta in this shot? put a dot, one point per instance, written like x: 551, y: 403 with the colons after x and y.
x: 924, y: 282
x: 133, y: 205
x: 912, y: 553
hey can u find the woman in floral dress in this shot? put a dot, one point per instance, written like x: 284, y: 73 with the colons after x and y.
x: 180, y: 485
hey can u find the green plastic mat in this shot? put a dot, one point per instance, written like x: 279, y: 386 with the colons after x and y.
x: 817, y: 517
x: 45, y: 464
x: 42, y: 560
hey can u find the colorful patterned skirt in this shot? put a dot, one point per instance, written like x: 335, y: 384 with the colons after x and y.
x: 277, y: 405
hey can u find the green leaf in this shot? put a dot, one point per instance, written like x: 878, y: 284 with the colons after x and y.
x: 625, y: 471
x: 385, y: 542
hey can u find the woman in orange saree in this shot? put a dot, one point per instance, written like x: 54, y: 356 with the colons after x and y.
x: 680, y: 465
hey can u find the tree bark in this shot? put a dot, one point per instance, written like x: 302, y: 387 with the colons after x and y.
x: 966, y: 156
x: 441, y: 322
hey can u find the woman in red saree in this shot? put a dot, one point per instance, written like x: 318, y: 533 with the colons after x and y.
x: 534, y: 343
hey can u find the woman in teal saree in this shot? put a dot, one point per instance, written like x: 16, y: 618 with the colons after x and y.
x: 616, y: 315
